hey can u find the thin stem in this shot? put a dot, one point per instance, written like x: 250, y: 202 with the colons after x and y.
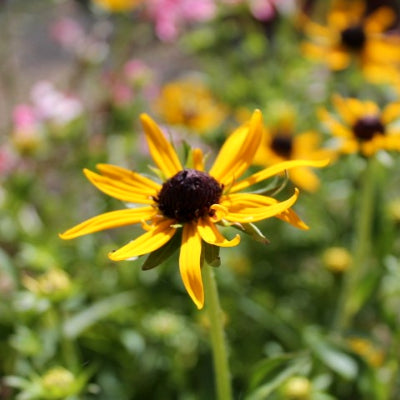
x: 220, y: 354
x: 352, y: 298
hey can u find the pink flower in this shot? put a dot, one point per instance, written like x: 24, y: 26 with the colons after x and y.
x: 68, y: 33
x: 171, y: 16
x: 54, y: 106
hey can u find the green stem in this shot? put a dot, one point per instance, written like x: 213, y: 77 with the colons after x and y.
x: 220, y: 354
x: 353, y: 296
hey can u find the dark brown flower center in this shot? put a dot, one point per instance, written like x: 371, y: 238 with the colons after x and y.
x: 188, y: 195
x: 282, y: 145
x: 353, y: 37
x: 367, y: 127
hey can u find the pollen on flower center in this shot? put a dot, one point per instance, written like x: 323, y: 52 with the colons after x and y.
x: 282, y: 145
x: 188, y: 195
x: 353, y: 37
x: 367, y: 127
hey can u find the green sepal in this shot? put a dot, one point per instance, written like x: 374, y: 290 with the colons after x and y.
x: 272, y: 190
x: 158, y: 256
x: 251, y: 230
x: 211, y: 254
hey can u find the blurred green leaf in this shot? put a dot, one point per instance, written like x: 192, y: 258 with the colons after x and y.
x: 75, y: 325
x: 331, y: 355
x: 271, y: 373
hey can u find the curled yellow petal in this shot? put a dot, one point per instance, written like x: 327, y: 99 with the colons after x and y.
x: 237, y: 153
x: 252, y: 210
x: 274, y: 170
x: 160, y: 148
x: 146, y: 243
x: 189, y: 264
x: 210, y: 234
x: 113, y: 219
x: 121, y: 190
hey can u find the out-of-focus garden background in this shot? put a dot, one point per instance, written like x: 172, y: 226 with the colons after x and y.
x: 314, y: 314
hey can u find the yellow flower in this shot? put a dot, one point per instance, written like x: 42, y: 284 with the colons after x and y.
x: 191, y: 104
x: 280, y: 143
x: 351, y: 34
x: 363, y: 127
x: 190, y: 201
x: 367, y: 350
x: 117, y: 5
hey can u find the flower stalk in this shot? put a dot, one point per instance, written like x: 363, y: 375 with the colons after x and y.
x: 218, y: 343
x: 352, y: 296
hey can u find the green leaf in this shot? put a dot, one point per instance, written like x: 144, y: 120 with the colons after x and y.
x: 160, y: 255
x: 211, y: 254
x: 331, y: 355
x: 83, y: 320
x: 271, y: 373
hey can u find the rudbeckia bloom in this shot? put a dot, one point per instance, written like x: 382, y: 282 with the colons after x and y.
x: 189, y: 201
x: 117, y: 5
x: 363, y: 127
x: 190, y: 103
x: 281, y: 143
x: 351, y: 34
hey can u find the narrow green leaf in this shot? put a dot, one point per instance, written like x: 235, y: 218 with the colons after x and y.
x: 273, y: 372
x: 83, y: 320
x: 331, y: 355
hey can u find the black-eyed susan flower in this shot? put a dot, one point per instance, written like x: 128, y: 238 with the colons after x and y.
x: 362, y: 126
x: 281, y: 143
x: 189, y: 103
x: 189, y: 201
x: 353, y: 35
x: 117, y: 5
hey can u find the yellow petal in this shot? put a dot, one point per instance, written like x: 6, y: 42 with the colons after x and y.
x: 125, y: 175
x: 334, y: 126
x: 120, y: 190
x: 210, y: 234
x: 198, y: 159
x: 305, y: 179
x: 238, y: 151
x: 189, y: 264
x: 338, y: 59
x: 113, y: 219
x: 146, y: 243
x: 245, y: 208
x: 379, y: 20
x: 274, y: 170
x: 391, y: 112
x: 293, y: 219
x: 160, y: 148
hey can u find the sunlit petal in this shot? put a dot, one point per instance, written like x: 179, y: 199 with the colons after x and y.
x: 109, y: 220
x: 237, y: 153
x: 121, y: 190
x: 160, y: 148
x: 189, y: 263
x: 125, y: 175
x: 274, y: 170
x: 210, y: 234
x: 248, y: 208
x: 146, y: 243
